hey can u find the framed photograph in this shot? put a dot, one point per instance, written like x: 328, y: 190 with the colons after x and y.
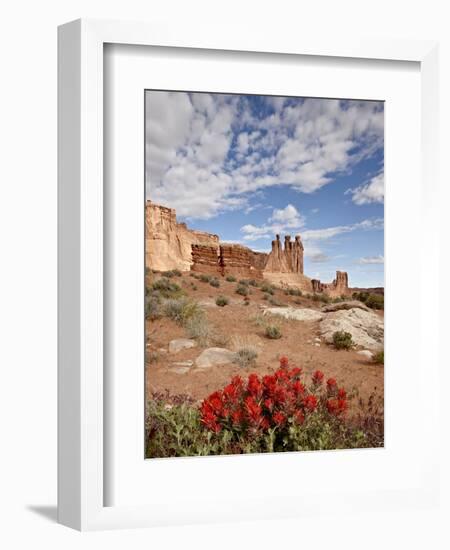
x: 237, y: 229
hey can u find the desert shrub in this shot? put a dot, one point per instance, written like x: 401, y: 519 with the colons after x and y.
x: 275, y: 302
x: 168, y: 274
x: 379, y: 358
x: 242, y: 289
x: 278, y: 412
x: 231, y: 279
x: 222, y: 301
x: 342, y: 340
x: 151, y: 357
x: 153, y: 308
x: 243, y: 282
x: 266, y: 296
x: 181, y: 310
x: 294, y: 292
x: 194, y: 287
x: 197, y: 327
x: 214, y: 282
x: 205, y: 278
x: 267, y: 289
x: 253, y: 282
x: 245, y: 357
x: 375, y: 301
x: 273, y: 332
x: 166, y: 288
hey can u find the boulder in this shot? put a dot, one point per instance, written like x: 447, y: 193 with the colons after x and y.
x: 296, y: 314
x: 366, y: 327
x: 182, y: 343
x: 348, y: 304
x: 365, y: 353
x: 211, y: 357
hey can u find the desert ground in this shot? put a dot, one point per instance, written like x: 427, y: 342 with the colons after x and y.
x: 241, y: 325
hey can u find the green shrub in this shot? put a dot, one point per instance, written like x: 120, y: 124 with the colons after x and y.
x: 231, y: 279
x: 153, y: 309
x: 294, y: 292
x: 245, y: 357
x: 181, y: 310
x: 266, y: 296
x: 222, y: 301
x: 267, y: 289
x: 375, y: 301
x: 214, y: 282
x: 342, y: 340
x: 253, y: 282
x: 379, y: 358
x: 244, y: 282
x: 205, y: 278
x: 166, y: 288
x: 275, y: 302
x: 273, y: 332
x: 242, y: 289
x: 197, y: 327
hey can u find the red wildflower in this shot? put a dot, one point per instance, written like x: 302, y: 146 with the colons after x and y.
x: 237, y: 417
x: 284, y: 361
x: 298, y: 387
x: 317, y: 377
x: 336, y: 406
x: 254, y: 386
x: 268, y: 403
x: 279, y: 418
x: 342, y: 394
x: 215, y: 401
x: 230, y: 392
x: 281, y: 374
x: 299, y: 417
x: 296, y: 371
x: 310, y: 402
x: 279, y: 395
x: 253, y: 409
x: 265, y: 424
x: 331, y: 383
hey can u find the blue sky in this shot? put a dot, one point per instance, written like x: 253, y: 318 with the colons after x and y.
x: 247, y: 167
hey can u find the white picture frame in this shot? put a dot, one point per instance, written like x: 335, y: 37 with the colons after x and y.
x: 82, y: 484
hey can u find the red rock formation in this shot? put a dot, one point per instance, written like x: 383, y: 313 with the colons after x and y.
x: 167, y: 242
x: 205, y: 259
x: 338, y: 287
x: 288, y: 259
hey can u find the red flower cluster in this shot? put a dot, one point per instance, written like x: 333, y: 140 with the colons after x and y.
x: 261, y: 403
x: 271, y: 402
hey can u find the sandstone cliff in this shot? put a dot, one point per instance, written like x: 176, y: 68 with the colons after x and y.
x: 288, y: 259
x: 227, y: 259
x: 167, y: 242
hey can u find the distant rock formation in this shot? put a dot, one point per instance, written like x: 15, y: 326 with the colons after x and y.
x: 171, y: 245
x: 288, y: 259
x: 339, y: 286
x: 167, y: 242
x: 227, y: 259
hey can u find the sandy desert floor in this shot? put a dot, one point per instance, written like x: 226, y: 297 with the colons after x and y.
x: 237, y: 324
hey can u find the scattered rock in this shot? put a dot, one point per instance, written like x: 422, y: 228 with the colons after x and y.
x: 182, y: 343
x: 366, y: 327
x: 179, y: 370
x: 297, y: 314
x: 349, y: 304
x: 214, y: 356
x: 162, y: 350
x: 317, y: 340
x: 366, y: 353
x: 317, y: 345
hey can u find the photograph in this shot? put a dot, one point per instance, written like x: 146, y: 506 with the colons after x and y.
x: 264, y: 274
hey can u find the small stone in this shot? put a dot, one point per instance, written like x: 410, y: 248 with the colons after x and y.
x: 214, y: 356
x: 179, y: 370
x: 317, y: 344
x: 365, y: 353
x: 317, y: 340
x: 182, y: 343
x: 162, y: 350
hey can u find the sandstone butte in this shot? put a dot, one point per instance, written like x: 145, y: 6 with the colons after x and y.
x: 170, y: 244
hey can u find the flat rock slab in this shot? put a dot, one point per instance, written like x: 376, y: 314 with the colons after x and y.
x: 366, y: 327
x: 366, y: 354
x: 296, y: 314
x: 348, y: 304
x: 182, y: 343
x: 214, y: 356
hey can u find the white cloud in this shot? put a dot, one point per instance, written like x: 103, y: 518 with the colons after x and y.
x: 367, y: 260
x: 281, y: 220
x: 370, y: 192
x: 206, y: 153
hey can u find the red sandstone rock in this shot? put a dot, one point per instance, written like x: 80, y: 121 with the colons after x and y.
x: 288, y: 259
